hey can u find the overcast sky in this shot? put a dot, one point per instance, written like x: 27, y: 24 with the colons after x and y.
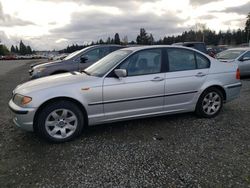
x: 54, y: 24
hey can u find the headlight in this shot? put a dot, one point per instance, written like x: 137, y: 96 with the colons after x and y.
x: 39, y: 69
x: 21, y: 100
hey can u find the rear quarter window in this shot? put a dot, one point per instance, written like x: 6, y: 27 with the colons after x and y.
x: 202, y: 61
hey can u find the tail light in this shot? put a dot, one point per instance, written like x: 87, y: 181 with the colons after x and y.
x: 238, y: 74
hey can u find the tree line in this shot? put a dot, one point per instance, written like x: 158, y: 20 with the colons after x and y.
x: 21, y: 50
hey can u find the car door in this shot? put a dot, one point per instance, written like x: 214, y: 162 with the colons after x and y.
x: 244, y: 64
x: 140, y: 92
x: 187, y: 71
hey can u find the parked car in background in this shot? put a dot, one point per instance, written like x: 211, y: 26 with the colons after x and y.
x: 240, y: 56
x: 126, y: 84
x: 76, y: 61
x: 9, y: 57
x: 201, y: 46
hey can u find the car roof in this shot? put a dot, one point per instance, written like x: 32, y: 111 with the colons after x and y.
x: 107, y: 45
x: 136, y: 48
x: 240, y: 48
x: 181, y: 43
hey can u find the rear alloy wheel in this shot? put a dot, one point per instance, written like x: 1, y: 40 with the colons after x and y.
x: 210, y: 103
x: 60, y: 121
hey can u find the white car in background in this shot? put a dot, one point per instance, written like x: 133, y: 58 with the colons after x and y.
x: 240, y: 56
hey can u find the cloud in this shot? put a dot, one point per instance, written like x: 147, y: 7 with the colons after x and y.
x: 7, y: 20
x: 244, y: 9
x: 104, y: 25
x: 202, y: 2
x: 59, y: 23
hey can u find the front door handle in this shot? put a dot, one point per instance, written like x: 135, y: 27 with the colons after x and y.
x: 157, y: 79
x: 200, y: 74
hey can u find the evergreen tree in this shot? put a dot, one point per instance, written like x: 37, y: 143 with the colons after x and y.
x: 151, y: 39
x: 28, y: 50
x: 22, y: 48
x: 247, y: 27
x: 17, y: 51
x: 13, y: 49
x: 108, y: 41
x: 143, y: 37
x: 101, y: 41
x: 117, y: 39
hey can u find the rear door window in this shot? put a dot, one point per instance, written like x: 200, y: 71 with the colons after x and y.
x: 181, y: 60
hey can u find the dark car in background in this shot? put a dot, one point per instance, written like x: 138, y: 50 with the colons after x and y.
x: 76, y: 61
x: 201, y: 46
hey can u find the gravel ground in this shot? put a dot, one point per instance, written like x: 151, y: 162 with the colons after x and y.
x: 8, y: 65
x: 168, y: 151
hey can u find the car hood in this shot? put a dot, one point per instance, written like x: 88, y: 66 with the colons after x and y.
x: 52, y: 82
x: 48, y: 64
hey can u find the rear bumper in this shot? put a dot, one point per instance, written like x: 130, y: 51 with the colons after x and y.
x: 22, y: 117
x: 232, y: 91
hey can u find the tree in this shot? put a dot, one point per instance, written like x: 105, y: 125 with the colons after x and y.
x: 22, y: 48
x: 17, y: 51
x: 108, y: 41
x: 143, y: 37
x: 101, y: 41
x: 28, y: 50
x: 117, y: 39
x: 151, y: 39
x: 13, y: 49
x: 247, y: 27
x: 4, y: 50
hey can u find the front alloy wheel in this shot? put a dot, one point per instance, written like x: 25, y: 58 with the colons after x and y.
x: 59, y: 121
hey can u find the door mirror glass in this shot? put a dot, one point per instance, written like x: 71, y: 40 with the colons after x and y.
x: 120, y: 73
x: 83, y: 59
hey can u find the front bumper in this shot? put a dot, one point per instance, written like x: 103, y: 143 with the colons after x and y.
x: 22, y: 117
x: 33, y: 74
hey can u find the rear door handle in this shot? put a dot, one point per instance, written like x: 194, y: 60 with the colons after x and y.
x: 200, y: 74
x: 157, y: 79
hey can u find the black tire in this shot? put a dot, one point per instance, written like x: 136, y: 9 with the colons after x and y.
x: 40, y: 127
x: 199, y: 106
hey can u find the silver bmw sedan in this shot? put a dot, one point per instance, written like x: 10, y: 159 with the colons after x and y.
x: 129, y: 83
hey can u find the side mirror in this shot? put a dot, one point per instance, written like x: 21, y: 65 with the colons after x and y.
x: 121, y: 73
x: 83, y: 59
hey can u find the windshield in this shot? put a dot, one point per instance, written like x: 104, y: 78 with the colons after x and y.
x: 229, y: 54
x: 101, y: 67
x: 72, y: 55
x: 76, y: 53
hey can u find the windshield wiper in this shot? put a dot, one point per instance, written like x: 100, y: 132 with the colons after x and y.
x: 83, y: 71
